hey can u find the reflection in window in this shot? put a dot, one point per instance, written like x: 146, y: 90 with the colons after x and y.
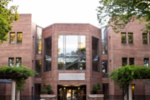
x: 11, y: 62
x: 95, y: 54
x: 38, y: 68
x: 19, y: 37
x: 104, y: 40
x: 104, y: 68
x: 124, y: 61
x: 18, y: 62
x: 144, y: 38
x: 47, y: 55
x: 131, y: 61
x: 71, y: 52
x: 39, y: 41
x: 123, y: 37
x: 146, y: 61
x: 12, y: 38
x: 130, y: 37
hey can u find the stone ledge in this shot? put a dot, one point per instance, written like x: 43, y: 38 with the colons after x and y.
x: 96, y: 95
x: 48, y: 96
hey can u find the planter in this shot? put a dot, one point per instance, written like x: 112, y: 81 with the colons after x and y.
x: 47, y: 96
x: 94, y: 92
x: 99, y: 92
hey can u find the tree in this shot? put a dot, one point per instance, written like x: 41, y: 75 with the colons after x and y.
x: 121, y: 12
x: 124, y: 76
x: 7, y: 16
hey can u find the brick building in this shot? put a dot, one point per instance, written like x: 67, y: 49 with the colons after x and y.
x: 73, y: 57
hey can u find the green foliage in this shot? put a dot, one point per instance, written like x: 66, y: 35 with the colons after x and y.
x: 49, y: 88
x: 121, y: 12
x: 98, y: 87
x: 44, y: 91
x: 93, y: 88
x: 46, y: 88
x: 18, y: 74
x: 7, y: 16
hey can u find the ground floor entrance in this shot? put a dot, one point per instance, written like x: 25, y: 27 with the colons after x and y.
x: 71, y: 92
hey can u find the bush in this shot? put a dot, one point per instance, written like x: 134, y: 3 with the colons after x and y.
x: 44, y: 91
x: 98, y: 87
x: 93, y: 88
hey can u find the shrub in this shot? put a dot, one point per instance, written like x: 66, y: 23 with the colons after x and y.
x: 98, y: 87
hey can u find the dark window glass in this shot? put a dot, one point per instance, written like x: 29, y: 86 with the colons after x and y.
x: 123, y: 37
x: 131, y: 61
x: 18, y: 62
x: 130, y: 37
x: 12, y: 38
x: 11, y: 62
x: 71, y: 52
x: 48, y: 51
x: 146, y: 61
x: 124, y: 61
x: 37, y: 89
x: 104, y: 40
x: 19, y: 37
x: 39, y: 41
x: 95, y: 54
x: 105, y: 68
x: 144, y: 38
x: 38, y: 68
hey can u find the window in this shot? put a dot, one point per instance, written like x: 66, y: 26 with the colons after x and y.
x: 104, y: 68
x: 146, y: 61
x: 104, y: 40
x: 38, y: 67
x: 11, y: 62
x: 123, y: 37
x: 131, y: 61
x: 12, y: 38
x: 19, y: 37
x: 71, y: 52
x: 18, y: 62
x: 37, y: 89
x: 39, y: 41
x: 144, y: 38
x: 47, y: 54
x: 124, y: 61
x: 130, y: 38
x: 95, y: 54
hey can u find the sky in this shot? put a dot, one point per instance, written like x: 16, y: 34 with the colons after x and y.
x: 47, y: 12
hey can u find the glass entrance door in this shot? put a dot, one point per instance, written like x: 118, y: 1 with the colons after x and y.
x: 72, y: 94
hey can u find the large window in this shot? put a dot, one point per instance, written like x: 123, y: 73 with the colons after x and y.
x: 11, y: 62
x: 71, y: 52
x: 104, y: 40
x: 38, y: 68
x: 39, y: 41
x: 130, y: 38
x: 146, y: 61
x: 123, y: 37
x: 144, y: 38
x: 131, y: 61
x: 124, y: 61
x: 18, y: 62
x: 12, y: 37
x: 19, y: 37
x: 104, y: 68
x: 95, y: 54
x: 47, y: 54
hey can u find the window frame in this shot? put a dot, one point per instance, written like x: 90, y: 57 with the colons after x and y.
x: 148, y: 61
x: 126, y: 62
x: 133, y: 60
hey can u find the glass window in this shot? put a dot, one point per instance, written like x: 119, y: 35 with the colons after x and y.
x: 130, y: 37
x: 19, y: 37
x: 47, y: 53
x: 37, y: 89
x: 104, y: 40
x: 12, y: 38
x: 123, y: 37
x: 39, y: 41
x: 95, y: 54
x: 11, y: 62
x: 38, y: 67
x: 18, y: 62
x: 105, y: 68
x: 146, y: 61
x: 124, y: 61
x: 71, y: 52
x: 131, y: 61
x: 144, y: 38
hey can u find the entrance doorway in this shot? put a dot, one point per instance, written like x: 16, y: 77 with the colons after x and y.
x: 71, y: 92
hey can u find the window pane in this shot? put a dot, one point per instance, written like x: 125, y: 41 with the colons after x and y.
x: 144, y: 38
x: 38, y: 67
x: 61, y: 63
x: 146, y: 61
x: 11, y: 62
x: 12, y: 38
x: 104, y: 68
x: 71, y: 62
x: 82, y: 45
x: 18, y: 62
x: 124, y: 61
x: 39, y: 41
x: 123, y: 37
x: 104, y: 40
x: 95, y: 54
x: 61, y: 45
x: 82, y: 62
x: 131, y: 61
x: 19, y: 37
x: 39, y: 33
x: 130, y: 37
